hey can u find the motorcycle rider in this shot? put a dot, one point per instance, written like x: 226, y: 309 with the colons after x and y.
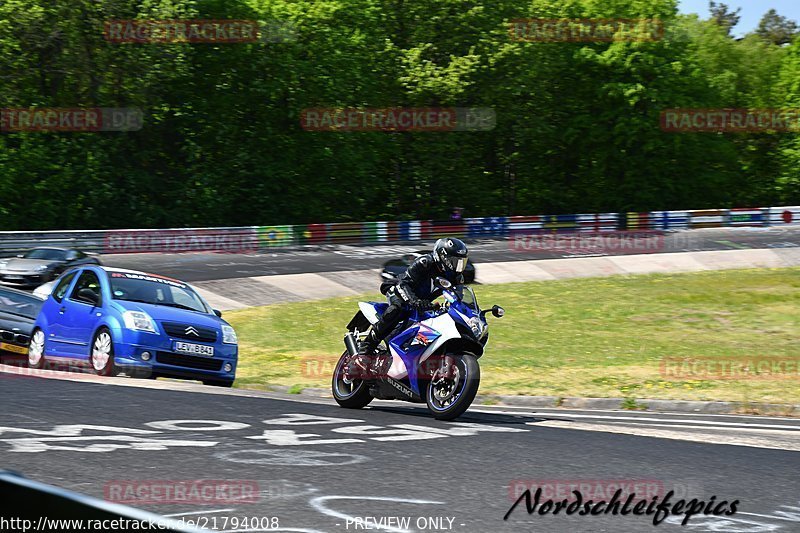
x: 413, y: 289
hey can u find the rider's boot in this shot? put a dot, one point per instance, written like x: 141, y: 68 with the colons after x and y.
x: 361, y: 364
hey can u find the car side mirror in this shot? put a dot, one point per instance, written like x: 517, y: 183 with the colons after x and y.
x: 88, y: 295
x: 498, y: 311
x: 218, y: 313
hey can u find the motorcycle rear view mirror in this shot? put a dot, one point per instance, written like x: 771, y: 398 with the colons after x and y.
x: 498, y: 311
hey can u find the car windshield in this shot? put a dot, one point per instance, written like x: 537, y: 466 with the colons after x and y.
x: 48, y: 254
x: 155, y: 290
x: 19, y: 304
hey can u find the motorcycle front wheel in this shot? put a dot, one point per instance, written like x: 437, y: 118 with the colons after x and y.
x: 453, y: 386
x: 348, y: 393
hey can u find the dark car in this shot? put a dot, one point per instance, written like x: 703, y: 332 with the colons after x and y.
x: 395, y: 267
x: 18, y: 312
x: 41, y: 265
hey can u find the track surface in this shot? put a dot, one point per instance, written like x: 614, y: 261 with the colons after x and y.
x: 392, y: 459
x: 195, y: 267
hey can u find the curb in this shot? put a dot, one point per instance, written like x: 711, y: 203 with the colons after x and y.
x: 621, y: 404
x: 643, y: 404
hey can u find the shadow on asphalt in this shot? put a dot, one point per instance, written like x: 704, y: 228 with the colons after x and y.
x: 496, y: 419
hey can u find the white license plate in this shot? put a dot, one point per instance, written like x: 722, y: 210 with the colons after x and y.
x: 193, y: 349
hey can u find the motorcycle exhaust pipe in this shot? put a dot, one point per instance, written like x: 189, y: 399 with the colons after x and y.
x: 351, y: 344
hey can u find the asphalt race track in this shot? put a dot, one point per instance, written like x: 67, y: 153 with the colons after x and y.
x: 193, y: 267
x: 318, y: 468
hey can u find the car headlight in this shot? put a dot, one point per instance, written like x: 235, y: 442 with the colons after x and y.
x: 139, y: 321
x: 229, y: 335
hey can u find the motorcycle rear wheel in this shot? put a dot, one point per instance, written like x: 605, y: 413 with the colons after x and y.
x: 350, y: 394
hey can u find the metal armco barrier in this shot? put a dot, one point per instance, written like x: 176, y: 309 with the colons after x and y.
x: 747, y: 217
x: 12, y: 242
x: 670, y: 220
x: 784, y: 216
x: 710, y: 218
x: 598, y: 223
x: 233, y: 240
x: 254, y: 238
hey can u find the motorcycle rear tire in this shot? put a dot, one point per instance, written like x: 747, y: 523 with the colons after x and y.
x: 358, y: 397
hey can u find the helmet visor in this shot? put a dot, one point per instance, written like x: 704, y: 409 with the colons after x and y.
x: 458, y: 264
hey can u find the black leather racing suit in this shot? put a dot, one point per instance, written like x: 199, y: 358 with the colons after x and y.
x: 414, y: 289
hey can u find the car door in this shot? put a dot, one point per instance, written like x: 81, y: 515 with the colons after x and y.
x: 81, y: 316
x: 53, y: 314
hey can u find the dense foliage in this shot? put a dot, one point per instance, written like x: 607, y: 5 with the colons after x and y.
x: 578, y: 124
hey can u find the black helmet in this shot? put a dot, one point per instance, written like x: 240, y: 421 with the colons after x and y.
x: 450, y: 255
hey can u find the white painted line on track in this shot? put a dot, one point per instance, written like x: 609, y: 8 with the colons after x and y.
x: 701, y: 422
x: 504, y: 409
x: 795, y: 433
x: 752, y: 442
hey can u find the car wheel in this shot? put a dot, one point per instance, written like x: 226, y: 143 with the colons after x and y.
x: 218, y: 383
x: 102, y: 355
x: 36, y: 350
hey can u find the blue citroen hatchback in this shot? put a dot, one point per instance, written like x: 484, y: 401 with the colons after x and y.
x: 141, y: 324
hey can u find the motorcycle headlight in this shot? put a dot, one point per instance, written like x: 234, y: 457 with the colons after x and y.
x: 229, y: 335
x: 139, y: 321
x: 477, y: 326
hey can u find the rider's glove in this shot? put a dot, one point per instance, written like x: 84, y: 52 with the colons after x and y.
x: 425, y: 305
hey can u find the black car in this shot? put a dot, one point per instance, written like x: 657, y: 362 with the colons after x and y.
x: 18, y: 312
x: 41, y: 265
x: 395, y: 267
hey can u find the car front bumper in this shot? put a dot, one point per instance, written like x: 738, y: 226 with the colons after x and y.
x: 164, y: 361
x: 24, y: 279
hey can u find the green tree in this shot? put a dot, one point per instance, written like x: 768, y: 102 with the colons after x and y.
x: 776, y: 28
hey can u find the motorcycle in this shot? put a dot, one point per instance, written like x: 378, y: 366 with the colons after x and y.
x: 430, y: 358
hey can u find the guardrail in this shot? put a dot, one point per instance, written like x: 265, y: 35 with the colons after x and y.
x: 254, y: 238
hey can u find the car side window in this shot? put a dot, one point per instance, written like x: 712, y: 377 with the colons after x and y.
x: 87, y: 280
x: 61, y: 288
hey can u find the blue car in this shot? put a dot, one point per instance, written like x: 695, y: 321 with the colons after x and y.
x: 142, y: 324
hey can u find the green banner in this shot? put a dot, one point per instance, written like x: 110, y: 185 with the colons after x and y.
x: 274, y: 236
